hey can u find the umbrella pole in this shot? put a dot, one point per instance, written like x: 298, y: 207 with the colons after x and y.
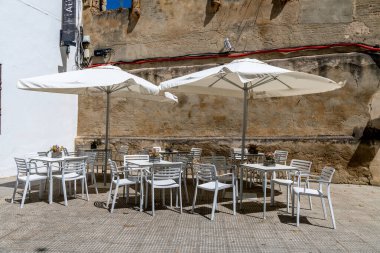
x: 106, y: 144
x: 245, y: 113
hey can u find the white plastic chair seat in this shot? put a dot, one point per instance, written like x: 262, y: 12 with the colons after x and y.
x: 211, y: 186
x: 70, y: 176
x: 167, y: 183
x: 124, y: 181
x: 282, y: 181
x: 307, y: 191
x: 33, y: 177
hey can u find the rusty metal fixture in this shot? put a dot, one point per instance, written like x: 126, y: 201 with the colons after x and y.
x: 136, y: 10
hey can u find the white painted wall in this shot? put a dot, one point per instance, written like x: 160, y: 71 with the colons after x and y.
x: 29, y: 46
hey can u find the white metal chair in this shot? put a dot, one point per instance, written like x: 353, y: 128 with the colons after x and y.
x: 303, y: 171
x: 281, y: 157
x: 91, y: 157
x: 27, y: 172
x: 184, y: 160
x: 73, y: 169
x: 165, y: 176
x: 117, y: 181
x: 208, y: 173
x: 133, y: 173
x: 222, y: 167
x: 324, y: 179
x: 194, y: 157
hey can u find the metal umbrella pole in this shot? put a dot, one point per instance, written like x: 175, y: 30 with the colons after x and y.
x: 245, y: 115
x: 106, y: 144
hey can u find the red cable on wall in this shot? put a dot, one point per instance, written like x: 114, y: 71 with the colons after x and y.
x: 240, y: 54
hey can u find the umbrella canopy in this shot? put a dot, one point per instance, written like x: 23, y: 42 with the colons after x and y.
x: 249, y: 78
x: 104, y: 79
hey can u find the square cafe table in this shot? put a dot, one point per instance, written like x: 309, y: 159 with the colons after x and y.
x: 265, y: 169
x: 49, y: 161
x: 143, y: 164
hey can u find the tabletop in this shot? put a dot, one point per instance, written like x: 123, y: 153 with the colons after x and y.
x: 54, y: 159
x: 260, y: 166
x: 147, y: 163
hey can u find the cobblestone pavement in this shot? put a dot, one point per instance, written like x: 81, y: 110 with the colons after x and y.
x: 89, y: 227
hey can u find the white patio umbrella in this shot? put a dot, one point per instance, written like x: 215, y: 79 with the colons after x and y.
x: 249, y: 78
x: 105, y: 79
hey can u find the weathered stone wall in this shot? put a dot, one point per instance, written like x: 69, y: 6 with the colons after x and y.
x: 171, y: 28
x: 325, y: 128
x: 340, y: 128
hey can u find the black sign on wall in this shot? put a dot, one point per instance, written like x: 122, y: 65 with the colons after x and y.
x: 68, y: 22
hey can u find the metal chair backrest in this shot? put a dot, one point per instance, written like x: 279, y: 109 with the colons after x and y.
x: 327, y: 174
x: 281, y: 156
x: 114, y: 171
x: 74, y: 165
x: 22, y: 166
x: 101, y: 155
x: 206, y: 172
x: 134, y: 158
x: 167, y: 171
x: 182, y: 159
x: 196, y: 154
x: 302, y: 165
x: 236, y: 153
x: 207, y: 160
x: 91, y: 156
x: 220, y: 162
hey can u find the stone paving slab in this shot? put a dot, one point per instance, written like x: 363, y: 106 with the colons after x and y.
x: 87, y: 226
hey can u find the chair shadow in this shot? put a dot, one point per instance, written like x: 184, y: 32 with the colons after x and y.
x: 289, y: 220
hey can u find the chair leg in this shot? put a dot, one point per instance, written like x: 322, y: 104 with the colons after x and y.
x: 82, y: 185
x: 185, y: 186
x: 75, y: 188
x: 114, y: 197
x: 14, y: 191
x: 271, y: 193
x: 180, y: 198
x: 310, y: 204
x: 94, y: 180
x: 287, y: 197
x: 214, y: 204
x: 127, y: 192
x: 234, y: 198
x: 195, y: 198
x: 331, y: 210
x: 293, y: 203
x: 41, y: 189
x: 146, y: 195
x: 323, y: 207
x: 298, y: 209
x: 171, y: 197
x: 136, y: 193
x: 109, y: 195
x: 86, y: 187
x: 64, y: 191
x: 152, y: 200
x: 24, y: 193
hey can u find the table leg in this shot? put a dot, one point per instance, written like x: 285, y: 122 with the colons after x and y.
x: 241, y: 188
x: 265, y: 193
x: 50, y: 183
x: 141, y: 191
